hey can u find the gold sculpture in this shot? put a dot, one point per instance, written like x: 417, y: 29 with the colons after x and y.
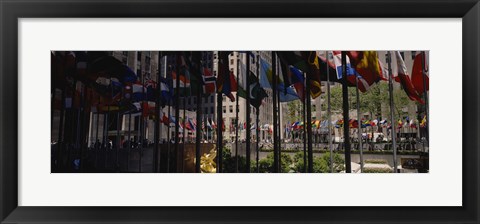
x: 207, y: 162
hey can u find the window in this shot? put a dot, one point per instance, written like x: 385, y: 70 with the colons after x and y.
x: 211, y: 110
x: 139, y: 56
x: 224, y: 109
x: 314, y: 107
x: 125, y: 53
x: 211, y: 99
x: 206, y: 110
x: 231, y: 61
x: 230, y: 108
x: 413, y: 55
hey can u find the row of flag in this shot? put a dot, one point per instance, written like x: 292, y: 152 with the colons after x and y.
x: 353, y: 123
x: 113, y: 86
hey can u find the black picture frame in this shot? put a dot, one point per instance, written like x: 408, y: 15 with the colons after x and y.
x: 11, y: 11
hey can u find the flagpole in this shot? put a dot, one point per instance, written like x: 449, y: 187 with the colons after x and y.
x: 359, y: 126
x: 247, y: 85
x: 346, y: 128
x: 329, y: 113
x: 274, y: 94
x: 96, y: 133
x: 61, y: 130
x: 425, y: 94
x: 309, y: 126
x: 236, y: 118
x: 304, y: 119
x: 278, y: 125
x: 184, y: 119
x: 168, y: 136
x: 157, y: 117
x: 197, y: 129
x: 257, y: 129
x: 392, y: 117
x: 141, y: 125
x: 219, y: 115
x: 105, y: 128
x: 177, y: 106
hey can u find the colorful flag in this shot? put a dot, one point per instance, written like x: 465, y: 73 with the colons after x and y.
x: 366, y: 63
x: 352, y: 75
x: 209, y: 80
x: 286, y: 94
x: 226, y: 82
x: 417, y: 73
x: 403, y: 77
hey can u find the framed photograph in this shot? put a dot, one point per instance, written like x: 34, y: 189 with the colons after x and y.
x: 117, y: 111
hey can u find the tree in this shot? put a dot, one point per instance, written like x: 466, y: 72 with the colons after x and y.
x: 294, y: 110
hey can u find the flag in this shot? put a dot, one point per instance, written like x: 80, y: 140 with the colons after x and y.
x: 165, y: 120
x: 366, y: 63
x: 306, y: 61
x: 166, y: 90
x: 353, y: 123
x: 226, y: 83
x: 417, y: 73
x: 213, y: 124
x: 352, y: 75
x: 210, y: 126
x: 423, y: 123
x: 191, y: 125
x: 151, y: 90
x: 138, y: 92
x: 257, y: 93
x: 403, y: 77
x: 286, y: 93
x: 209, y: 81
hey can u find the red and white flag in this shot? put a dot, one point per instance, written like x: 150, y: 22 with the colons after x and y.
x: 419, y: 65
x: 402, y: 76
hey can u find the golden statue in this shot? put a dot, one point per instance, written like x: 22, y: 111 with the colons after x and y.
x: 207, y: 161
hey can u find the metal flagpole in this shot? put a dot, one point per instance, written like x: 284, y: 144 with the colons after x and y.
x: 360, y: 148
x: 184, y: 128
x: 141, y: 125
x: 304, y: 129
x: 219, y: 116
x: 168, y: 137
x: 278, y: 125
x: 257, y: 129
x: 425, y: 94
x: 129, y: 139
x: 309, y: 126
x: 157, y: 117
x: 197, y: 128
x: 236, y: 118
x: 346, y: 128
x: 247, y: 69
x: 274, y: 93
x: 392, y: 117
x: 327, y: 57
x: 177, y: 104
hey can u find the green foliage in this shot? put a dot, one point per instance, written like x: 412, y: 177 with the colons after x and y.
x: 294, y: 112
x: 320, y: 164
x: 377, y: 170
x: 266, y: 164
x: 229, y: 163
x: 376, y: 161
x: 371, y: 101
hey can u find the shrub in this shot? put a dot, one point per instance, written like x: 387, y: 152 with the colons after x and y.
x: 320, y: 164
x: 377, y: 170
x: 376, y: 161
